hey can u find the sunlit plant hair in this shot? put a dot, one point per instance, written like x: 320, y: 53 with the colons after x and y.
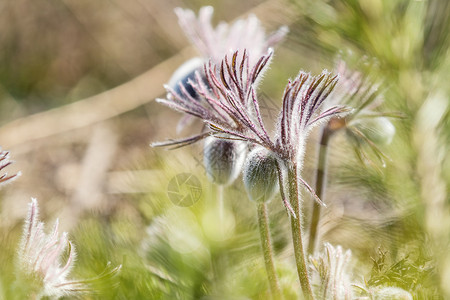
x: 332, y: 278
x: 4, y: 163
x: 39, y: 257
x: 40, y: 264
x: 330, y: 273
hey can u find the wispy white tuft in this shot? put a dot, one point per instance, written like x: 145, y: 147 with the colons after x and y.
x: 329, y: 274
x: 39, y: 259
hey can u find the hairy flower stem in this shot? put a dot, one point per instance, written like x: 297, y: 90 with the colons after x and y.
x: 321, y: 176
x: 263, y: 222
x: 296, y: 226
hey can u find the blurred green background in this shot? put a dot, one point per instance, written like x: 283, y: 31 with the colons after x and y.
x: 109, y: 188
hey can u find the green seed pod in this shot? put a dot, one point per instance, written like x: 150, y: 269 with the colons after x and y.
x: 223, y: 159
x: 260, y: 175
x: 379, y: 130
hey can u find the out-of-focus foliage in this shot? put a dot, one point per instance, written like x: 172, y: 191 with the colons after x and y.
x: 398, y: 204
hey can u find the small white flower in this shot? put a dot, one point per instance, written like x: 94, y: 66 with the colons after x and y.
x: 39, y: 258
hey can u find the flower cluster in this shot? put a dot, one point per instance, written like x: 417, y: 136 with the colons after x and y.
x: 230, y: 107
x: 224, y: 96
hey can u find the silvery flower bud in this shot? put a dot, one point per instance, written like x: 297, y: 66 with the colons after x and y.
x: 260, y: 175
x: 223, y: 159
x: 379, y: 130
x: 185, y: 73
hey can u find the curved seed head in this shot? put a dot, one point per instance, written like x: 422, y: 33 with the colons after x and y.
x: 223, y: 159
x: 260, y: 175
